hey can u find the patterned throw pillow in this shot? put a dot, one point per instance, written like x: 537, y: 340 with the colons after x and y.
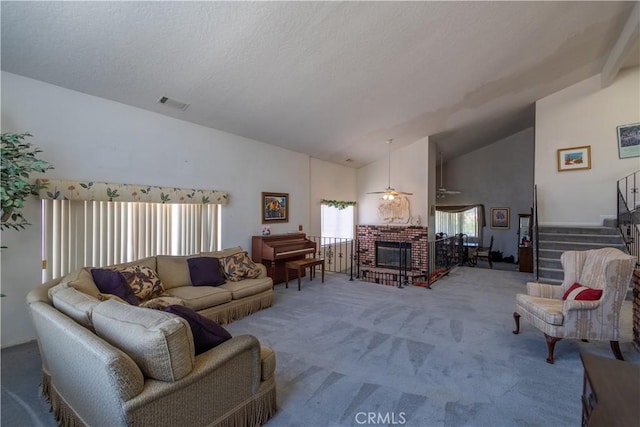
x: 578, y: 292
x: 161, y: 303
x: 239, y: 266
x: 144, y: 281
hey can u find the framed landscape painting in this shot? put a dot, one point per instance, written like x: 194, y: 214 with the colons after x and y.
x: 500, y: 218
x: 629, y: 140
x: 275, y: 207
x: 574, y: 158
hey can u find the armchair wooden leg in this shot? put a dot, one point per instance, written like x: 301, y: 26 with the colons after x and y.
x: 551, y: 344
x: 615, y: 347
x: 516, y: 317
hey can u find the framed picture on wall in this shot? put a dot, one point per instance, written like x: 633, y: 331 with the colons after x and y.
x: 275, y: 207
x: 500, y: 218
x: 629, y: 140
x: 574, y: 158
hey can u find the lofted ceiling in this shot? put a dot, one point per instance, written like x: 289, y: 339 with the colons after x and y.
x: 333, y: 80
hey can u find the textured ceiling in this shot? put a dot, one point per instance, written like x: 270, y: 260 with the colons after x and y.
x: 330, y: 79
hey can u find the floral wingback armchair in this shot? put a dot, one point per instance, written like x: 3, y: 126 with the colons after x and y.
x: 586, y: 305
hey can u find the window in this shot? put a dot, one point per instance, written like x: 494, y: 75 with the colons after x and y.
x: 80, y: 233
x: 467, y: 221
x: 337, y: 223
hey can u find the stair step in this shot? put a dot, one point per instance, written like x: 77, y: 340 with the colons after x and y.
x: 551, y: 273
x: 553, y: 241
x: 549, y: 263
x: 549, y: 281
x: 575, y: 246
x: 578, y: 230
x: 579, y: 237
x: 549, y: 253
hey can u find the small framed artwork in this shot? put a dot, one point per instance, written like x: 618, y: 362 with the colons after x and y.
x: 500, y: 218
x: 629, y: 140
x: 275, y: 207
x: 574, y: 158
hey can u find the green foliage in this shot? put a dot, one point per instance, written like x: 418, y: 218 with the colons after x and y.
x: 112, y: 194
x: 338, y: 204
x: 19, y: 160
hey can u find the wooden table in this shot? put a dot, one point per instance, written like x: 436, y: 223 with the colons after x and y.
x: 610, y: 392
x: 300, y: 265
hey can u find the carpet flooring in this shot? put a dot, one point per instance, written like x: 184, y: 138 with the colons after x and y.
x: 352, y: 353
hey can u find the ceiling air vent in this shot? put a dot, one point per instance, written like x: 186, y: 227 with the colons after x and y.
x: 173, y: 103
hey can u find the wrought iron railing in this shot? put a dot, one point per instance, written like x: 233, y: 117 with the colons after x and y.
x: 629, y: 213
x: 338, y: 253
x: 536, y: 233
x: 444, y: 253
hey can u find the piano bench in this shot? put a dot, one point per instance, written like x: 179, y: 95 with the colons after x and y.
x: 300, y: 265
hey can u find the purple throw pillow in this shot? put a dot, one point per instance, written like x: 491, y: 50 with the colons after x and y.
x: 205, y: 271
x: 113, y: 282
x: 206, y: 333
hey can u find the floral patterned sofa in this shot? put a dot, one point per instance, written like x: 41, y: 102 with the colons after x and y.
x: 123, y: 359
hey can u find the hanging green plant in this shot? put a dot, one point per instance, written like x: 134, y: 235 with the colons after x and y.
x: 18, y: 162
x: 338, y: 204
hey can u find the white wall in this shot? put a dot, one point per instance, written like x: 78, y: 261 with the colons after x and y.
x: 86, y: 137
x: 584, y: 114
x: 408, y: 173
x: 329, y: 181
x: 497, y: 175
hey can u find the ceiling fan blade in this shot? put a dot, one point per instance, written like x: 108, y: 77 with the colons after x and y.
x: 376, y: 192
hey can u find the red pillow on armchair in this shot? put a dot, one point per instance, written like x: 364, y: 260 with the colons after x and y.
x: 577, y: 292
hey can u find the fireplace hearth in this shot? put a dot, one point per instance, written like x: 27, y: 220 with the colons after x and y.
x: 394, y: 255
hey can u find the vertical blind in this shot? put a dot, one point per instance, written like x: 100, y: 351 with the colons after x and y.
x: 77, y: 233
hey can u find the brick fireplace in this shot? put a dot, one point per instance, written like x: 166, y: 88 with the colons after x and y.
x: 410, y: 243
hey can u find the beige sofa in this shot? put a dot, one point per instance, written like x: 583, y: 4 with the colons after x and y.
x: 108, y: 363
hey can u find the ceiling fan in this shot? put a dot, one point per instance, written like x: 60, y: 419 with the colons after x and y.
x: 442, y: 191
x: 390, y: 193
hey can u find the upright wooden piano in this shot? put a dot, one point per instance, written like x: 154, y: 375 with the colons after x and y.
x: 275, y: 250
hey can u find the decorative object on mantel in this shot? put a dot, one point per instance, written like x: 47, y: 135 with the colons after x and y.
x: 108, y: 191
x: 338, y: 204
x: 574, y: 158
x: 266, y: 230
x: 394, y: 210
x: 18, y: 162
x: 390, y: 193
x: 629, y: 140
x: 275, y: 207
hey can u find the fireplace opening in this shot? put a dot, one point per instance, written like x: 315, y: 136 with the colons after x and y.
x: 394, y: 255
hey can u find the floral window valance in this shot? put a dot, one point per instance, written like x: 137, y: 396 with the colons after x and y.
x: 107, y: 191
x: 339, y: 204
